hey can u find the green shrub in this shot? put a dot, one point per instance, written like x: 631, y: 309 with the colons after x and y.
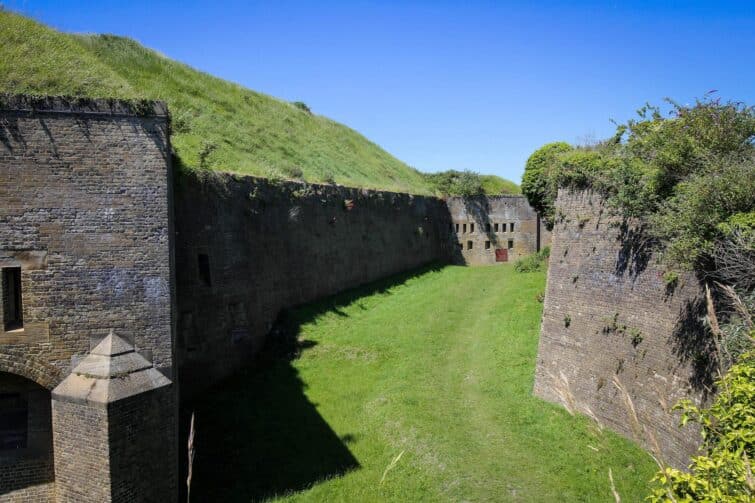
x: 540, y: 180
x: 302, y: 106
x: 690, y: 175
x: 724, y: 472
x: 533, y: 262
x: 686, y: 173
x: 456, y: 183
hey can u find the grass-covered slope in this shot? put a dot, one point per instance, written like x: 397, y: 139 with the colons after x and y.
x: 415, y: 388
x: 494, y: 185
x: 217, y: 124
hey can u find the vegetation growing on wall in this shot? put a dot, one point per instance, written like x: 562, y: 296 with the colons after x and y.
x: 725, y: 472
x: 689, y: 173
x: 540, y: 183
x: 687, y: 178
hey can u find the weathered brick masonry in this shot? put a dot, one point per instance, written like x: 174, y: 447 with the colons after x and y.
x: 247, y: 248
x: 84, y: 215
x: 494, y: 229
x: 608, y: 315
x: 89, y: 369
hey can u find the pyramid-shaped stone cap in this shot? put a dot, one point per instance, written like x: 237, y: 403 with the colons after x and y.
x: 112, y: 345
x: 112, y: 371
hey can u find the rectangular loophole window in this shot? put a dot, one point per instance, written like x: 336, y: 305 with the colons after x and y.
x: 204, y: 269
x: 487, y: 227
x: 14, y: 421
x: 457, y: 228
x: 511, y: 227
x: 464, y: 228
x: 13, y: 310
x: 511, y: 244
x: 487, y: 245
x: 469, y: 245
x: 471, y: 227
x: 496, y: 227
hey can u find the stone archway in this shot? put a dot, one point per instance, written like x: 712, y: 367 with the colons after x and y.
x: 20, y: 363
x: 26, y: 450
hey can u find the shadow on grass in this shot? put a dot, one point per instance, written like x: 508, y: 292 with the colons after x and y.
x: 257, y: 433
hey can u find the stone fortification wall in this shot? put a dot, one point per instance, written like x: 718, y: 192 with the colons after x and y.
x: 610, y: 319
x: 85, y: 246
x: 494, y: 229
x: 84, y: 187
x: 246, y: 248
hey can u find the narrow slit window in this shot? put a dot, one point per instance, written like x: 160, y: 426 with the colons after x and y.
x: 13, y: 311
x: 471, y: 227
x: 469, y: 245
x: 204, y: 269
x: 496, y: 227
x: 487, y: 227
x: 464, y: 228
x: 511, y: 227
x: 487, y: 245
x: 14, y: 421
x: 511, y: 244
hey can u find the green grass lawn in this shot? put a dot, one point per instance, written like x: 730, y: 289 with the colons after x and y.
x: 435, y: 366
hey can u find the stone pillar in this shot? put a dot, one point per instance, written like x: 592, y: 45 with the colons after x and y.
x: 114, y: 429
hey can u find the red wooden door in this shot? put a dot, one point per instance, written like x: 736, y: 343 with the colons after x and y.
x: 501, y: 255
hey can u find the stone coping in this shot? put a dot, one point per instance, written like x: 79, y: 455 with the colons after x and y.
x: 24, y: 103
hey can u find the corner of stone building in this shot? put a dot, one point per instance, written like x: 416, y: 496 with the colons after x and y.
x: 113, y: 429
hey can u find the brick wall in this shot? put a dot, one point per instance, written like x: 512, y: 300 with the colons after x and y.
x: 84, y: 191
x: 26, y: 473
x: 85, y: 213
x: 86, y: 445
x: 608, y: 315
x: 267, y: 246
x: 485, y: 223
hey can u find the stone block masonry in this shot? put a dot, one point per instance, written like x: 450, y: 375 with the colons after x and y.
x: 246, y: 248
x: 90, y: 359
x: 113, y: 419
x: 610, y: 320
x: 85, y: 212
x: 494, y: 229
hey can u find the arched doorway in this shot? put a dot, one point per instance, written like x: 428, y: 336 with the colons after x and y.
x: 26, y: 452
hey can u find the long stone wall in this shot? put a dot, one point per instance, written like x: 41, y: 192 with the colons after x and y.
x: 610, y: 320
x: 246, y: 248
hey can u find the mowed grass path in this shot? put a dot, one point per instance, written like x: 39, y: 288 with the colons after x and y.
x: 437, y: 367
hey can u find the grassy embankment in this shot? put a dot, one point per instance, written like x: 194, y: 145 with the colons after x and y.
x: 436, y: 367
x: 217, y: 124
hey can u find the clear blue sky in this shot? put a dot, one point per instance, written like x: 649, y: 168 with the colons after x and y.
x: 449, y: 85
